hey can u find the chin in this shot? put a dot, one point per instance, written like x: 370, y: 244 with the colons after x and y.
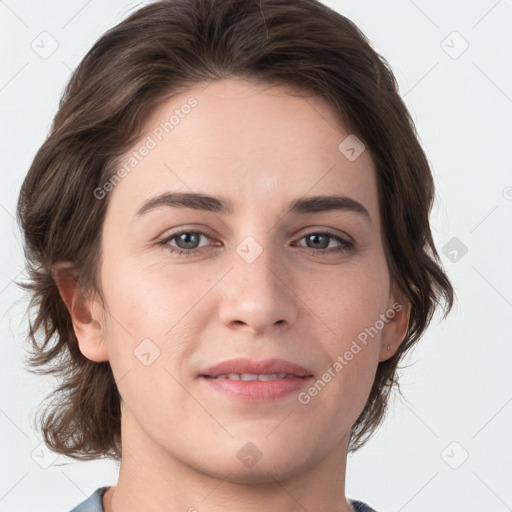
x: 249, y: 465
x: 260, y: 473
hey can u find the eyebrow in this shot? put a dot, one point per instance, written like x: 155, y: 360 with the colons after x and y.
x: 216, y: 204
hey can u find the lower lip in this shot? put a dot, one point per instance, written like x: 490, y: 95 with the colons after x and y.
x: 258, y: 390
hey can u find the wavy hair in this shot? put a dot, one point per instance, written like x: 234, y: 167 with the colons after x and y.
x: 161, y: 50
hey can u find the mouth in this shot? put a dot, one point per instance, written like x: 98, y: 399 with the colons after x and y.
x: 253, y: 376
x: 261, y: 381
x: 249, y: 369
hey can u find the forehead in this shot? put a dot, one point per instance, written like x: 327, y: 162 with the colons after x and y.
x: 249, y: 143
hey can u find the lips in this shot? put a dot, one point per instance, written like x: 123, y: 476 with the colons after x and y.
x: 247, y: 369
x: 247, y: 381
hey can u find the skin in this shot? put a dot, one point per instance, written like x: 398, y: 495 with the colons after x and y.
x: 260, y: 147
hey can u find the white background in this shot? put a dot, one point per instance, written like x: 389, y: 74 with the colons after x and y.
x: 457, y: 384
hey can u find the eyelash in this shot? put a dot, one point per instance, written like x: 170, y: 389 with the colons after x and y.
x: 344, y: 247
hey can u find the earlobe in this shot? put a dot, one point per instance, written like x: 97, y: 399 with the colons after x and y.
x: 84, y: 313
x: 395, y: 330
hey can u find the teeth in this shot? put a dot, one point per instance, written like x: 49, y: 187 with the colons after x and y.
x: 272, y: 376
x: 253, y: 376
x: 248, y: 376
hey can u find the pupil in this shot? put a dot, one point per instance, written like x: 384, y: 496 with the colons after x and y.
x: 315, y: 238
x: 185, y: 237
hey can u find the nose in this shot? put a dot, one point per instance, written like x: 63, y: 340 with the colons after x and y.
x: 258, y: 295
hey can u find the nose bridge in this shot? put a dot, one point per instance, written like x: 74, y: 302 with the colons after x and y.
x: 259, y: 266
x: 256, y: 291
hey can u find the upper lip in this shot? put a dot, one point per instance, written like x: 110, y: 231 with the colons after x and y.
x: 264, y: 367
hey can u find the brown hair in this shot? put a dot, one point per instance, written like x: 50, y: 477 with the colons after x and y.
x: 160, y: 50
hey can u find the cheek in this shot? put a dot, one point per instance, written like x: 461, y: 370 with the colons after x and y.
x: 351, y: 307
x: 144, y: 313
x: 150, y: 300
x: 351, y: 300
x: 153, y: 315
x: 341, y: 389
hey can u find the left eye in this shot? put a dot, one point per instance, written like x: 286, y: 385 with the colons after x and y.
x: 321, y: 239
x: 188, y: 239
x: 187, y: 242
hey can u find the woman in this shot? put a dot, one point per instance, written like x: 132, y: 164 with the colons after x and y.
x: 227, y: 234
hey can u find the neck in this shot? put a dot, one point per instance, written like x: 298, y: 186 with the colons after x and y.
x: 151, y: 478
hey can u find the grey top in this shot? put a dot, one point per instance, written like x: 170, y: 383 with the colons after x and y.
x: 94, y: 503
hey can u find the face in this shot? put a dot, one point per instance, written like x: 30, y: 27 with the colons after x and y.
x: 189, y: 287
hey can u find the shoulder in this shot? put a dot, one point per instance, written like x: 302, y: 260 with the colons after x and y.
x: 94, y: 503
x: 361, y: 507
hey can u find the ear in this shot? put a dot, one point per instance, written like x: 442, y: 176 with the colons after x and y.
x: 85, y: 313
x: 396, y: 323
